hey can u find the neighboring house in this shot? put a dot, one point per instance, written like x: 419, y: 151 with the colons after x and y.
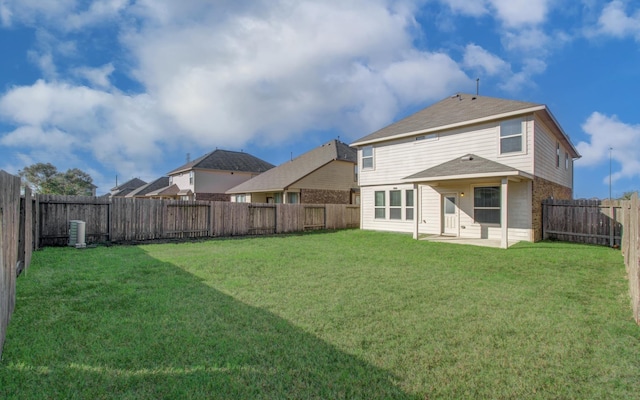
x: 324, y: 175
x: 146, y: 191
x: 210, y: 176
x: 468, y: 166
x: 127, y: 187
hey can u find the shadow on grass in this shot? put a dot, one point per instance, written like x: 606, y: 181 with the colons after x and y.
x: 148, y: 329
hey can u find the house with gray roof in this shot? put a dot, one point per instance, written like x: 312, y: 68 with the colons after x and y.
x: 125, y: 188
x: 146, y: 191
x: 467, y: 166
x: 323, y: 175
x: 210, y: 176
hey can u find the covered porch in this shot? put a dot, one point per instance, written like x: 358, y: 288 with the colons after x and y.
x: 472, y: 200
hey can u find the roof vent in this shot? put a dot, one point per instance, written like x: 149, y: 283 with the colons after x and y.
x: 466, y: 158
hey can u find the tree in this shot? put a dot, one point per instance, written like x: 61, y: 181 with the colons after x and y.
x: 627, y: 195
x: 45, y: 179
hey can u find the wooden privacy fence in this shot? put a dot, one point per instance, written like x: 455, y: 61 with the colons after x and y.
x: 126, y: 220
x: 582, y: 221
x: 631, y: 250
x: 606, y: 222
x: 16, y: 244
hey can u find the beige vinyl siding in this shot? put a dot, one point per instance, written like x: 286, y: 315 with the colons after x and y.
x: 431, y: 211
x: 217, y: 181
x: 182, y: 181
x: 395, y: 160
x: 337, y: 175
x: 545, y: 157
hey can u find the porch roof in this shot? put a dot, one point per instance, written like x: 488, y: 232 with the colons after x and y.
x: 469, y: 166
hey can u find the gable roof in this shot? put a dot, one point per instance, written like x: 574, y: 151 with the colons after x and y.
x: 455, y: 110
x: 127, y: 187
x: 466, y: 167
x: 226, y: 160
x: 284, y: 175
x: 150, y: 187
x: 464, y: 109
x: 165, y: 191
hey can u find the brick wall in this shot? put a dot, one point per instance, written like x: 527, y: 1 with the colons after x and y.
x: 213, y: 197
x: 542, y: 190
x: 316, y: 196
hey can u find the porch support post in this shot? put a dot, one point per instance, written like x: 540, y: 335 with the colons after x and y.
x: 417, y: 206
x: 504, y: 211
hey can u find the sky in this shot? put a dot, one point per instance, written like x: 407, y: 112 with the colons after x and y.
x: 132, y: 88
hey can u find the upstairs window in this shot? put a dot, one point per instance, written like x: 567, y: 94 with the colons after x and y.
x: 566, y: 161
x: 557, y: 154
x: 511, y: 136
x: 367, y: 157
x: 190, y: 177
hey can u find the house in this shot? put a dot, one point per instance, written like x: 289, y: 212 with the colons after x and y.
x: 126, y: 188
x: 326, y: 174
x: 468, y: 166
x: 145, y: 191
x: 210, y: 176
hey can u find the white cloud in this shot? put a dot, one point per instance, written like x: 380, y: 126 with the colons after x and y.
x: 615, y: 22
x: 476, y: 57
x: 609, y: 132
x: 512, y: 13
x: 261, y: 72
x: 98, y: 77
x: 518, y: 13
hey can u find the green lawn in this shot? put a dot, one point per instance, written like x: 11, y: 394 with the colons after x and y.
x: 347, y: 314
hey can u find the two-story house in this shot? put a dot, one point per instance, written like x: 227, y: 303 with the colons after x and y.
x: 468, y: 166
x: 210, y: 176
x: 323, y: 175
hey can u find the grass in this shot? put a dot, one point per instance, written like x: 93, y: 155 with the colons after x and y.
x: 349, y: 314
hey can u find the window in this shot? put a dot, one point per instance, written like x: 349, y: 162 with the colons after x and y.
x: 431, y: 136
x: 566, y: 161
x: 190, y: 177
x: 486, y: 205
x: 395, y: 204
x: 511, y: 136
x: 367, y: 157
x: 557, y: 154
x: 241, y: 198
x: 277, y: 198
x: 380, y: 205
x: 355, y: 173
x: 292, y: 198
x: 408, y: 201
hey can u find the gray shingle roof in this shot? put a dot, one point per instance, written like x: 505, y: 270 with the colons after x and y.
x: 127, y: 187
x: 226, y: 160
x: 466, y: 165
x: 150, y: 187
x: 130, y: 184
x: 292, y: 171
x: 450, y: 111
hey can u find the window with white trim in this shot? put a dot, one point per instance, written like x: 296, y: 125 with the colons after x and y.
x: 557, y: 154
x: 190, y: 177
x: 566, y: 161
x: 511, y: 136
x: 486, y: 205
x: 367, y: 157
x: 380, y: 206
x: 395, y: 204
x: 408, y: 201
x: 241, y: 198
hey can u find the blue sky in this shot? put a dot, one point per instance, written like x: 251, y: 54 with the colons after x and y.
x: 128, y: 88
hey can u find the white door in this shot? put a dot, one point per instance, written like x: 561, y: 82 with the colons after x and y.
x: 450, y: 214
